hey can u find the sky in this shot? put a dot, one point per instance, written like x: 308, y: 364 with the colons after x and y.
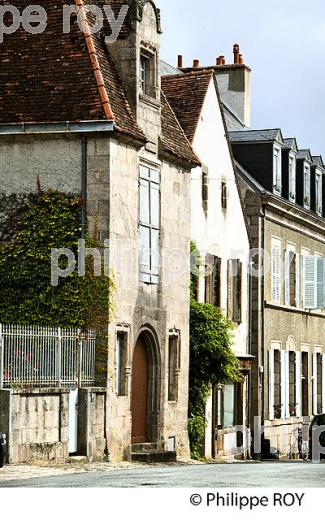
x: 283, y: 41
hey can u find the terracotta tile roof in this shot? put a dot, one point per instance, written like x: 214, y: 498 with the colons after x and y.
x: 55, y: 77
x: 186, y: 94
x: 173, y: 139
x: 50, y: 77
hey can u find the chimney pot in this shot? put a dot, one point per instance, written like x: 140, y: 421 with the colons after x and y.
x: 223, y: 60
x: 196, y: 64
x: 219, y: 60
x: 236, y: 54
x: 180, y: 61
x: 241, y: 59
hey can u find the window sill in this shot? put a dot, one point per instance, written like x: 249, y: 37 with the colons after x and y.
x: 295, y: 310
x: 148, y: 100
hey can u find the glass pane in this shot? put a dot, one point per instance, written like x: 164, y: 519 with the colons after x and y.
x: 155, y: 252
x: 155, y: 201
x: 144, y: 202
x: 144, y: 249
x: 144, y: 172
x: 229, y: 406
x: 154, y: 176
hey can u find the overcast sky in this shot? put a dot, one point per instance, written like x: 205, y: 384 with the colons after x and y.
x: 283, y: 41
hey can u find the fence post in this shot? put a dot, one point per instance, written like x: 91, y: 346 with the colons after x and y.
x: 59, y: 358
x: 80, y: 346
x: 1, y: 357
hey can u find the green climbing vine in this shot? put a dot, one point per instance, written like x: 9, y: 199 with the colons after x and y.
x: 212, y: 360
x: 30, y: 226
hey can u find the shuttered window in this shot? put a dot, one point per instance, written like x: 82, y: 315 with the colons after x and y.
x: 213, y: 280
x: 149, y: 216
x: 277, y: 171
x: 298, y: 384
x: 307, y: 186
x: 120, y: 363
x: 314, y: 383
x: 310, y: 282
x: 285, y: 388
x: 235, y: 270
x: 276, y: 271
x: 271, y: 385
x: 319, y: 194
x: 320, y: 283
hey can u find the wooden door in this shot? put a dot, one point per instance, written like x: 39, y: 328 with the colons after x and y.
x: 139, y: 398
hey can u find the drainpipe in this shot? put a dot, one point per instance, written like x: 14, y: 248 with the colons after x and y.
x: 84, y: 153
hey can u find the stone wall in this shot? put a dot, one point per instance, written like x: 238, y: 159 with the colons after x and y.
x: 91, y: 423
x: 36, y: 424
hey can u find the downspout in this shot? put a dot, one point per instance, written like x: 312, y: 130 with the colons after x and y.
x: 261, y: 364
x: 250, y: 342
x: 84, y: 172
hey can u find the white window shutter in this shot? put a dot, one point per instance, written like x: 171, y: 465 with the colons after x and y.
x: 310, y: 282
x: 297, y: 280
x: 323, y: 382
x: 298, y: 385
x: 276, y: 274
x: 314, y: 384
x: 320, y: 283
x: 271, y: 385
x: 287, y: 278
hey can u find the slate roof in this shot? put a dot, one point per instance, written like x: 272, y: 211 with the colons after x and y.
x: 166, y: 69
x: 304, y: 154
x: 186, y: 94
x: 291, y: 144
x: 246, y: 136
x: 318, y: 160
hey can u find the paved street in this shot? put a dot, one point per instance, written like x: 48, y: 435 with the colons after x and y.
x: 273, y: 474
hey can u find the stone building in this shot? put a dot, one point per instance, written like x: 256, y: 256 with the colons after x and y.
x: 218, y: 227
x: 88, y: 116
x: 282, y: 190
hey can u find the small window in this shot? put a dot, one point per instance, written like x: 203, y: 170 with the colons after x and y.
x: 307, y: 186
x: 148, y: 75
x: 292, y: 178
x: 205, y: 188
x: 173, y: 368
x: 120, y: 363
x: 292, y: 385
x: 224, y: 195
x: 213, y: 280
x: 292, y: 270
x: 277, y: 173
x: 226, y: 406
x: 235, y: 291
x: 319, y: 194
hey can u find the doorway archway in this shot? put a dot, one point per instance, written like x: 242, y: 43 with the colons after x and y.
x: 145, y: 393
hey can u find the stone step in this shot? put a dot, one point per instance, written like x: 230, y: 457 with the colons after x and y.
x: 146, y: 447
x: 78, y: 459
x: 154, y: 456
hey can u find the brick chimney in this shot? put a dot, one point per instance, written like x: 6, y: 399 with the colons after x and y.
x: 180, y: 61
x: 196, y: 64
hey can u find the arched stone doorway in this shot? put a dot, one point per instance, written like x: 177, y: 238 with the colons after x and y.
x: 145, y: 393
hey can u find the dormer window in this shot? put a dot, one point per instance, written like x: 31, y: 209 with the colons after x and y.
x: 319, y: 193
x: 148, y: 80
x: 307, y: 186
x: 292, y: 178
x: 277, y: 173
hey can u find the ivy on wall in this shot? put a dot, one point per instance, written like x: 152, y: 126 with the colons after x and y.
x: 30, y: 226
x: 212, y: 360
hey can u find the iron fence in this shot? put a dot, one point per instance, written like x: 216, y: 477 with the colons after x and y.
x: 32, y: 356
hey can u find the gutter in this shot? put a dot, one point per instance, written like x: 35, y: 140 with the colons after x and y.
x: 56, y: 128
x: 84, y: 172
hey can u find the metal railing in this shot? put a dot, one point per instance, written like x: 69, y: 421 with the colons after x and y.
x: 32, y: 356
